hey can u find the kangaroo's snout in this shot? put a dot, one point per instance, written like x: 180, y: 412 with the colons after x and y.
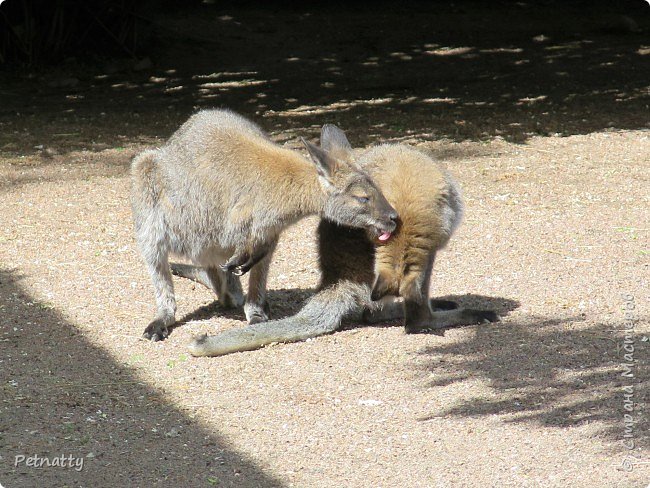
x: 386, y: 222
x: 391, y: 221
x: 388, y: 225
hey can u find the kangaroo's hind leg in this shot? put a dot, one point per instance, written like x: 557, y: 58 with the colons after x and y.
x: 256, y: 307
x: 226, y: 286
x: 152, y: 234
x: 418, y: 314
x: 156, y: 257
x: 414, y: 288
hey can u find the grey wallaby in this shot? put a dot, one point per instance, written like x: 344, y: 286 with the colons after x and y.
x: 219, y: 193
x: 357, y: 267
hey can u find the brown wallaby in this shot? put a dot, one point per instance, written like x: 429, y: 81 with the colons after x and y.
x: 356, y: 265
x: 219, y: 193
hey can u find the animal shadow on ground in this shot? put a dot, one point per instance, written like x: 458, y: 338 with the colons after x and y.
x: 502, y: 306
x: 284, y: 302
x: 70, y: 397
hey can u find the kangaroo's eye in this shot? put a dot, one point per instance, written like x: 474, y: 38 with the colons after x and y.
x: 362, y: 199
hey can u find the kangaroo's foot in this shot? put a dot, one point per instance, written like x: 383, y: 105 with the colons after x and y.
x: 256, y: 312
x: 158, y: 329
x: 424, y: 327
x: 448, y: 318
x: 391, y: 308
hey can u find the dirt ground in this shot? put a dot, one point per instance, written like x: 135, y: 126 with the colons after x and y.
x: 541, y: 112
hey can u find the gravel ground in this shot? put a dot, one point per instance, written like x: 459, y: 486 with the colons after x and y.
x: 555, y: 238
x: 536, y: 399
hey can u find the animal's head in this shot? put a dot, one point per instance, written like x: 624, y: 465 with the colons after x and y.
x: 353, y: 199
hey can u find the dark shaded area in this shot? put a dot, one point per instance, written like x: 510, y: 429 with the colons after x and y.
x: 37, y: 32
x: 422, y: 70
x: 502, y: 307
x: 284, y: 302
x: 555, y: 372
x: 44, y: 32
x: 68, y: 397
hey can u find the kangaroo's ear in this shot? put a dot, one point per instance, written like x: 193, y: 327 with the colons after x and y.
x: 334, y: 141
x: 326, y: 165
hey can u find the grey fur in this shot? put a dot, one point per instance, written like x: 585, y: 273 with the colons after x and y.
x: 322, y: 314
x: 219, y: 193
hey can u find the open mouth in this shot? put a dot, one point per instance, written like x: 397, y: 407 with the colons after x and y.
x: 382, y: 233
x: 384, y: 236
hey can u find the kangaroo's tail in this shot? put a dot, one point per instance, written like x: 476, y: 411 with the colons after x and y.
x: 321, y: 315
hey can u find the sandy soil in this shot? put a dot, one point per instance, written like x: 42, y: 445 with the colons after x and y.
x: 555, y: 239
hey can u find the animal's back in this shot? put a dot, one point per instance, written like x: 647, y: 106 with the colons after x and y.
x: 197, y: 128
x: 213, y: 143
x: 217, y: 172
x: 206, y: 147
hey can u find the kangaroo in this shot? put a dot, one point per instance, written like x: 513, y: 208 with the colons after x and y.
x: 219, y: 193
x: 358, y: 268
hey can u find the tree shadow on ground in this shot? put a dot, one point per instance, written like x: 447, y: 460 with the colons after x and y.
x: 39, y: 169
x: 418, y: 72
x: 68, y: 397
x: 557, y: 372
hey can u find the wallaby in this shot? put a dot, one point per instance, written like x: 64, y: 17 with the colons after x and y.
x: 356, y: 265
x: 219, y: 193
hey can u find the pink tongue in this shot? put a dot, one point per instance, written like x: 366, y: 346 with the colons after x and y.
x: 385, y: 236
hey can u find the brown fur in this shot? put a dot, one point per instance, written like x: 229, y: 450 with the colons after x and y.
x: 424, y: 196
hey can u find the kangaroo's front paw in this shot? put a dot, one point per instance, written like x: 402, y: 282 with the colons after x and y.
x: 241, y: 270
x: 227, y: 267
x: 156, y: 331
x: 235, y: 269
x: 235, y: 264
x: 238, y: 270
